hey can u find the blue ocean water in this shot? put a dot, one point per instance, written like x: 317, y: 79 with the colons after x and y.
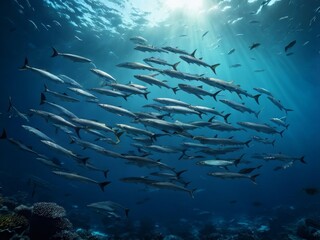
x: 101, y: 31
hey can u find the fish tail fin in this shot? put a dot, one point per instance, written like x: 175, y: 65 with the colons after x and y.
x: 273, y: 142
x: 25, y: 64
x: 192, y: 192
x: 257, y: 113
x: 55, y: 52
x: 178, y: 174
x: 247, y: 142
x: 103, y: 184
x: 175, y: 89
x: 127, y: 212
x: 215, y: 95
x: 288, y: 110
x: 183, y: 154
x: 253, y: 178
x: 200, y: 115
x: 281, y: 133
x: 4, y: 134
x: 302, y: 160
x: 256, y: 98
x: 287, y: 126
x: 105, y: 173
x: 226, y: 117
x: 118, y: 135
x: 10, y: 104
x: 174, y: 66
x: 77, y: 130
x: 213, y: 67
x: 146, y: 95
x: 42, y: 99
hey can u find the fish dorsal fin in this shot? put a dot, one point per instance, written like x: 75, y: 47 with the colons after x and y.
x: 153, y: 75
x: 200, y: 86
x: 200, y: 58
x: 65, y: 94
x: 164, y: 81
x: 193, y: 53
x: 242, y: 103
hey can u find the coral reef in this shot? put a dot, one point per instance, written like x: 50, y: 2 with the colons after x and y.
x: 47, y: 220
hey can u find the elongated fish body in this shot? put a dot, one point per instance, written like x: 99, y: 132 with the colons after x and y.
x: 37, y: 132
x: 103, y: 75
x: 263, y: 140
x: 160, y: 124
x: 137, y: 86
x: 129, y: 89
x: 263, y: 91
x: 65, y: 151
x: 216, y: 163
x: 18, y: 143
x: 70, y: 81
x: 181, y: 110
x: 232, y: 175
x: 136, y: 131
x: 280, y: 122
x: 80, y: 178
x: 171, y: 101
x: 180, y: 75
x: 239, y: 107
x: 16, y: 111
x: 282, y: 157
x: 191, y: 59
x: 277, y: 103
x: 147, y: 162
x: 221, y: 126
x: 153, y: 81
x: 172, y: 186
x: 118, y: 110
x: 86, y: 123
x: 97, y: 148
x: 158, y: 61
x: 162, y: 149
x: 56, y: 119
x: 260, y: 127
x: 185, y: 126
x: 49, y: 163
x: 290, y: 45
x: 112, y: 93
x: 62, y: 96
x: 194, y: 145
x: 221, y: 141
x: 72, y: 57
x: 61, y: 109
x: 220, y: 151
x: 137, y: 66
x: 138, y: 40
x: 41, y: 72
x: 175, y: 50
x: 142, y: 179
x: 204, y: 109
x: 109, y: 206
x: 148, y: 48
x: 198, y: 91
x: 83, y: 93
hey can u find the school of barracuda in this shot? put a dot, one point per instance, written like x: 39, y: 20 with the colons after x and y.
x: 147, y: 126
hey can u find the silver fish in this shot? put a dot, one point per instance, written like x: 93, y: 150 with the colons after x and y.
x: 41, y: 72
x: 72, y: 57
x: 77, y: 177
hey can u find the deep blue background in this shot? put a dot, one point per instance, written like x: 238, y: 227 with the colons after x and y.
x: 292, y: 79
